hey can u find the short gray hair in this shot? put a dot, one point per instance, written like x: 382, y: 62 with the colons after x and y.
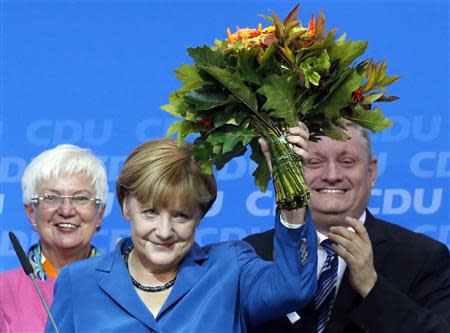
x: 364, y: 138
x: 64, y: 160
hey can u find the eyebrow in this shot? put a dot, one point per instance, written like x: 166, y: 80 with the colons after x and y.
x: 60, y: 192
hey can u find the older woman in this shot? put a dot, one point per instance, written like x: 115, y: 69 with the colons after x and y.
x: 160, y: 280
x: 64, y: 191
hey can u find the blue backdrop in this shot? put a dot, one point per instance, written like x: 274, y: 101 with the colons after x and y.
x: 95, y: 73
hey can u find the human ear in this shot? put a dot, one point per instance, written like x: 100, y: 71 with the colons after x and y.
x: 373, y: 170
x: 126, y: 208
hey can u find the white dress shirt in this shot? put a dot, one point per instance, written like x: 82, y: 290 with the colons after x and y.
x: 321, y: 257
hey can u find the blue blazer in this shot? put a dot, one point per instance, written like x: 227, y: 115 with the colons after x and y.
x: 221, y: 287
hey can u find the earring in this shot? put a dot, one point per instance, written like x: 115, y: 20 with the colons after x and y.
x: 97, y: 228
x: 34, y: 226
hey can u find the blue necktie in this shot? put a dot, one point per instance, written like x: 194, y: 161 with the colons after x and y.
x: 326, y: 292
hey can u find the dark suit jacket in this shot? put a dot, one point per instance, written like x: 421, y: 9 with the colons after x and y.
x: 411, y: 295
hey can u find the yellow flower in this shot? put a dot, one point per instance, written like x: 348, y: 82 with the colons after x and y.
x: 269, y: 30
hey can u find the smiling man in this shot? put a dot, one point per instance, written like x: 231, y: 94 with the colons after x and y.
x: 373, y: 276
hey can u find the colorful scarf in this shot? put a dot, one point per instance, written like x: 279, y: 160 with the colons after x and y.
x: 42, y: 267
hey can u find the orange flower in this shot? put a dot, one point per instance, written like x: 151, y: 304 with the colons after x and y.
x: 231, y: 38
x: 247, y: 33
x: 312, y: 26
x: 252, y: 37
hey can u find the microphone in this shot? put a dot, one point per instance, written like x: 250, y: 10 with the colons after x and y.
x: 28, y: 269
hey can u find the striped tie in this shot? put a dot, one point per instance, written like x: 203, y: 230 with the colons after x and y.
x: 326, y: 291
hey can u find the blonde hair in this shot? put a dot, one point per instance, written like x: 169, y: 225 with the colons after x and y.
x: 160, y: 172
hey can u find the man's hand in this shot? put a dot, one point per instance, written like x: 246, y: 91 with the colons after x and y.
x: 356, y: 250
x: 298, y: 137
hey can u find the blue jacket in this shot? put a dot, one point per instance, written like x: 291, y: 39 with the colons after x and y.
x: 221, y: 287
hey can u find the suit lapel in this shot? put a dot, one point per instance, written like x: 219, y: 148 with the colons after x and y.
x: 117, y: 284
x: 189, y: 274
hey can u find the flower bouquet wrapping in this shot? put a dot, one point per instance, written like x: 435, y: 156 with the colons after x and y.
x: 259, y: 82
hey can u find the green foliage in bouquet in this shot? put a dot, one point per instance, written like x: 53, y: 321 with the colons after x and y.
x: 259, y: 82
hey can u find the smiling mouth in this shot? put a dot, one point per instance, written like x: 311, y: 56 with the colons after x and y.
x: 66, y: 226
x: 164, y: 246
x: 332, y: 190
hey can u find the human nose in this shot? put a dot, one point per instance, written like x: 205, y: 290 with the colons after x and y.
x: 164, y: 228
x: 331, y: 173
x: 65, y: 206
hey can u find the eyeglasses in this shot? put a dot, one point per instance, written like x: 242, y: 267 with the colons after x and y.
x: 54, y: 200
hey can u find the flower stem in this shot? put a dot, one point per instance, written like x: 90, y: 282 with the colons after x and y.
x: 288, y: 175
x: 287, y: 167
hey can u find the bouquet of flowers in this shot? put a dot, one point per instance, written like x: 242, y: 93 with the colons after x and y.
x: 259, y: 82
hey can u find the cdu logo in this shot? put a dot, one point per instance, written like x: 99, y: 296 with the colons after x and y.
x: 54, y: 132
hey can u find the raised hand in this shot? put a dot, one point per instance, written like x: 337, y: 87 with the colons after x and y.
x: 356, y: 249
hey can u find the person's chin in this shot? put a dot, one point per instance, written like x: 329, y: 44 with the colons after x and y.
x: 331, y: 210
x: 163, y: 262
x: 70, y: 244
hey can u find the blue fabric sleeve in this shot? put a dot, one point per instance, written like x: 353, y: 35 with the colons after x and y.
x: 62, y: 306
x: 270, y: 290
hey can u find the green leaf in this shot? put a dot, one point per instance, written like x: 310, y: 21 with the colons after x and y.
x: 230, y: 139
x: 268, y: 53
x: 341, y: 40
x: 183, y: 127
x: 205, y: 56
x: 340, y: 95
x: 323, y: 61
x: 387, y: 80
x: 206, y: 99
x: 248, y: 64
x: 311, y: 76
x: 171, y: 109
x: 262, y: 172
x: 383, y: 69
x: 217, y: 149
x: 280, y: 94
x: 268, y: 18
x: 235, y: 84
x: 207, y: 167
x: 188, y: 74
x: 202, y: 150
x: 373, y: 120
x: 223, y: 159
x: 306, y: 102
x: 334, y: 131
x: 175, y: 127
x: 346, y: 52
x: 370, y: 98
x: 230, y: 114
x: 313, y: 65
x: 177, y: 106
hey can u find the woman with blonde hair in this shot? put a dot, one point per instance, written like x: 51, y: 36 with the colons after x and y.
x: 161, y: 280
